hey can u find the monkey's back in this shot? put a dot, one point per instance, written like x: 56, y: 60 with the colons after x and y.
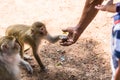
x: 16, y: 30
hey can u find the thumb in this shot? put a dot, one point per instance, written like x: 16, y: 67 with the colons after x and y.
x: 65, y: 30
x: 69, y: 29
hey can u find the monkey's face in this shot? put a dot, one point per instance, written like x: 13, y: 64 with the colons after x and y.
x: 42, y: 30
x: 39, y: 29
x: 9, y: 45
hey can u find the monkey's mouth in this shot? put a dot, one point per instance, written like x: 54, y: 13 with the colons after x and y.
x: 43, y: 33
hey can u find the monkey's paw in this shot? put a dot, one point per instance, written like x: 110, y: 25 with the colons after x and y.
x: 29, y: 68
x: 44, y: 69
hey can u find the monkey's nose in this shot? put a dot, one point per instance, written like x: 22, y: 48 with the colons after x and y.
x: 44, y: 33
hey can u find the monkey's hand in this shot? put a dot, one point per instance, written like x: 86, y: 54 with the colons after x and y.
x: 27, y: 66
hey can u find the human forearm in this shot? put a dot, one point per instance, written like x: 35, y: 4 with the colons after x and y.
x: 89, y: 12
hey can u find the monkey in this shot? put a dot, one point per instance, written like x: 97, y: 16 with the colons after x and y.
x: 31, y: 35
x: 10, y: 59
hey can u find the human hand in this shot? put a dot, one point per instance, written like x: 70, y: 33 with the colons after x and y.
x: 72, y: 37
x: 101, y: 7
x: 104, y: 7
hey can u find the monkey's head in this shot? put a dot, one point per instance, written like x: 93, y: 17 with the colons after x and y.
x: 38, y: 28
x: 9, y: 45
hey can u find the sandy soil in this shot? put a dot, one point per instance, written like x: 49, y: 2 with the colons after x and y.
x: 87, y: 59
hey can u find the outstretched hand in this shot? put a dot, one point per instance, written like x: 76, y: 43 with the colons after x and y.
x: 72, y: 36
x: 104, y: 7
x: 101, y: 7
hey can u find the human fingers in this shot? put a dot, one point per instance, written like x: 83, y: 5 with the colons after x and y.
x: 65, y: 30
x: 100, y: 7
x: 75, y: 36
x: 67, y: 43
x: 69, y: 29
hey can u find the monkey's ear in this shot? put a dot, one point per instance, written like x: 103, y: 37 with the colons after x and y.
x: 4, y: 47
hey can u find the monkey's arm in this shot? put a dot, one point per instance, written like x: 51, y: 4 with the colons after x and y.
x: 34, y: 46
x: 26, y: 65
x: 52, y: 39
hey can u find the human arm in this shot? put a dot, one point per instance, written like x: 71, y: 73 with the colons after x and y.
x: 109, y: 7
x: 89, y: 12
x: 117, y: 73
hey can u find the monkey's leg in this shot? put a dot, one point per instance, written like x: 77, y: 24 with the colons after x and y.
x: 21, y: 49
x: 26, y: 57
x: 38, y: 58
x: 26, y: 65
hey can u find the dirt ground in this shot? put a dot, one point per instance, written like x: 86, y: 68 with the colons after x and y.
x: 87, y: 59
